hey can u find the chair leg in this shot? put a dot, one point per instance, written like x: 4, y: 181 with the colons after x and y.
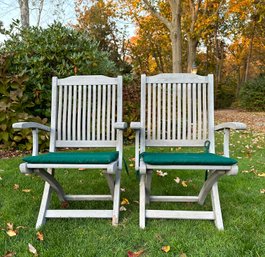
x: 116, y: 198
x: 44, y: 205
x: 208, y: 184
x: 110, y: 182
x: 217, y: 207
x: 142, y: 201
x: 148, y: 185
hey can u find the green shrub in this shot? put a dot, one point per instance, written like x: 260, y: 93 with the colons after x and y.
x: 29, y: 60
x: 14, y: 104
x: 252, y: 95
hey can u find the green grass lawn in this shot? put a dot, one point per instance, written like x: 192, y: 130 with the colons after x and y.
x: 242, y: 200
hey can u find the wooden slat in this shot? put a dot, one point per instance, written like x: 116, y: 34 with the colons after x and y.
x: 98, y: 112
x: 113, y: 111
x: 204, y: 100
x: 79, y: 112
x: 149, y: 99
x: 59, y: 119
x: 84, y: 113
x: 164, y: 111
x: 108, y: 111
x: 65, y: 108
x: 194, y: 111
x: 94, y: 100
x: 179, y: 112
x: 103, y: 112
x: 199, y: 111
x: 89, y: 98
x: 189, y: 101
x: 74, y: 114
x: 154, y: 112
x: 169, y: 110
x: 69, y: 115
x: 159, y: 111
x: 184, y: 110
x: 174, y: 101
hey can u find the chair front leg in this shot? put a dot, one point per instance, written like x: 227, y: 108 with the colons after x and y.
x: 116, y: 198
x: 142, y: 199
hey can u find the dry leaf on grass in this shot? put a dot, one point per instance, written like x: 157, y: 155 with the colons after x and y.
x: 26, y: 190
x: 11, y: 233
x: 261, y: 174
x: 32, y: 249
x: 16, y: 186
x: 135, y: 254
x: 160, y: 173
x: 122, y: 208
x: 262, y: 191
x: 124, y: 201
x: 40, y: 236
x: 165, y: 248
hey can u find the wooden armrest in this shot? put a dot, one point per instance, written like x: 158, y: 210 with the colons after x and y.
x: 33, y: 125
x: 120, y: 125
x: 135, y: 125
x: 231, y: 125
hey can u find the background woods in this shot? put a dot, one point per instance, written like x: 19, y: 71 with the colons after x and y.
x: 226, y: 38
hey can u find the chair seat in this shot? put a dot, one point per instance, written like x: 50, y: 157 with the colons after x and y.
x: 74, y: 158
x: 186, y: 159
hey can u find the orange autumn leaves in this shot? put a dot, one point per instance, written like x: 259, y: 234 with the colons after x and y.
x: 13, y: 231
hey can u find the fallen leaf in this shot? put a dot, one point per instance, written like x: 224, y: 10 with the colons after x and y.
x: 40, y: 236
x: 1, y: 178
x: 32, y: 249
x: 82, y: 169
x: 9, y: 254
x: 261, y: 174
x: 26, y: 190
x: 131, y: 164
x: 165, y: 248
x: 177, y: 180
x: 124, y: 201
x: 11, y: 233
x: 123, y: 189
x: 184, y: 183
x: 135, y: 254
x: 262, y: 191
x: 16, y: 186
x: 122, y: 208
x: 160, y: 173
x: 10, y: 226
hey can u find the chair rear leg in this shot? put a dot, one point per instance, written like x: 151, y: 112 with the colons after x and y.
x: 148, y: 185
x: 142, y: 201
x: 116, y: 198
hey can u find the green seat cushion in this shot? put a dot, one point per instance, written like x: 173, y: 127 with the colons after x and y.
x: 74, y: 158
x: 186, y: 159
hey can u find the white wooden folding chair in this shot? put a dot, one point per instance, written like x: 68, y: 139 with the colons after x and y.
x: 177, y: 110
x: 86, y: 113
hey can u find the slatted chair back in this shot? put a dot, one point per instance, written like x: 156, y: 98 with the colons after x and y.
x: 177, y: 110
x: 84, y: 111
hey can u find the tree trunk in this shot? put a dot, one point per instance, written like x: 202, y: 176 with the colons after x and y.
x: 175, y: 35
x: 24, y: 12
x: 192, y: 45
